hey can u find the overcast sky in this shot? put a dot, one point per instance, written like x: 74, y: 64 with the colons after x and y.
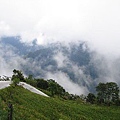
x: 95, y: 21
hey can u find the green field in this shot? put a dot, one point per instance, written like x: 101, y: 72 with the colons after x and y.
x: 30, y: 106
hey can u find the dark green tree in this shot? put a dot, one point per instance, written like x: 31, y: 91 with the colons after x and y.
x: 55, y: 88
x: 91, y: 98
x: 18, y: 74
x: 17, y: 77
x: 41, y: 83
x: 112, y: 93
x: 101, y: 92
x: 107, y: 93
x: 52, y: 87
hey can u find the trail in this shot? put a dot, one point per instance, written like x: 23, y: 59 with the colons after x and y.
x: 4, y: 84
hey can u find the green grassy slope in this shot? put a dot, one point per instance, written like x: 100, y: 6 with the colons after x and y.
x: 30, y: 106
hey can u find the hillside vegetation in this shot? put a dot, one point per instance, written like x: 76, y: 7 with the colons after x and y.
x: 30, y: 106
x: 17, y: 103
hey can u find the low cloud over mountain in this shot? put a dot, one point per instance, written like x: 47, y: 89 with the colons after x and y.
x: 74, y: 66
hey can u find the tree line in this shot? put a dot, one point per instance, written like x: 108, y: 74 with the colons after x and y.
x: 48, y: 85
x: 106, y: 93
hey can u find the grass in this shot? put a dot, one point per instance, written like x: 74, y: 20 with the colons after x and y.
x: 30, y: 106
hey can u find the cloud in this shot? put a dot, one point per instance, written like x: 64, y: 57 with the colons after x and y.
x: 64, y: 80
x: 64, y: 20
x: 60, y: 59
x: 8, y: 60
x: 74, y: 78
x: 11, y: 60
x: 72, y: 73
x: 107, y: 68
x: 96, y: 22
x: 4, y: 29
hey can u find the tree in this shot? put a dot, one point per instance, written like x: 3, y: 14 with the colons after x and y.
x: 107, y: 93
x: 112, y: 93
x: 41, y: 83
x: 55, y: 88
x: 17, y: 77
x: 52, y: 87
x: 91, y: 98
x: 101, y: 92
x: 18, y: 74
x: 15, y: 81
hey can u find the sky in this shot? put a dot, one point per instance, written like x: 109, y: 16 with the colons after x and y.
x: 94, y: 21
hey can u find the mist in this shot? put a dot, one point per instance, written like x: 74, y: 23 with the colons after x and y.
x: 69, y: 21
x: 107, y: 68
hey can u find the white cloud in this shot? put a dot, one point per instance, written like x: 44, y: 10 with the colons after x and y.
x: 61, y: 60
x: 64, y: 80
x: 64, y: 20
x: 4, y: 29
x: 95, y: 21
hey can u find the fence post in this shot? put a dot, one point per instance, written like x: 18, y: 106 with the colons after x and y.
x: 10, y: 111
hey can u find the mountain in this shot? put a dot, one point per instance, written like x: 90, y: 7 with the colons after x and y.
x: 18, y: 46
x: 73, y: 61
x: 74, y: 65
